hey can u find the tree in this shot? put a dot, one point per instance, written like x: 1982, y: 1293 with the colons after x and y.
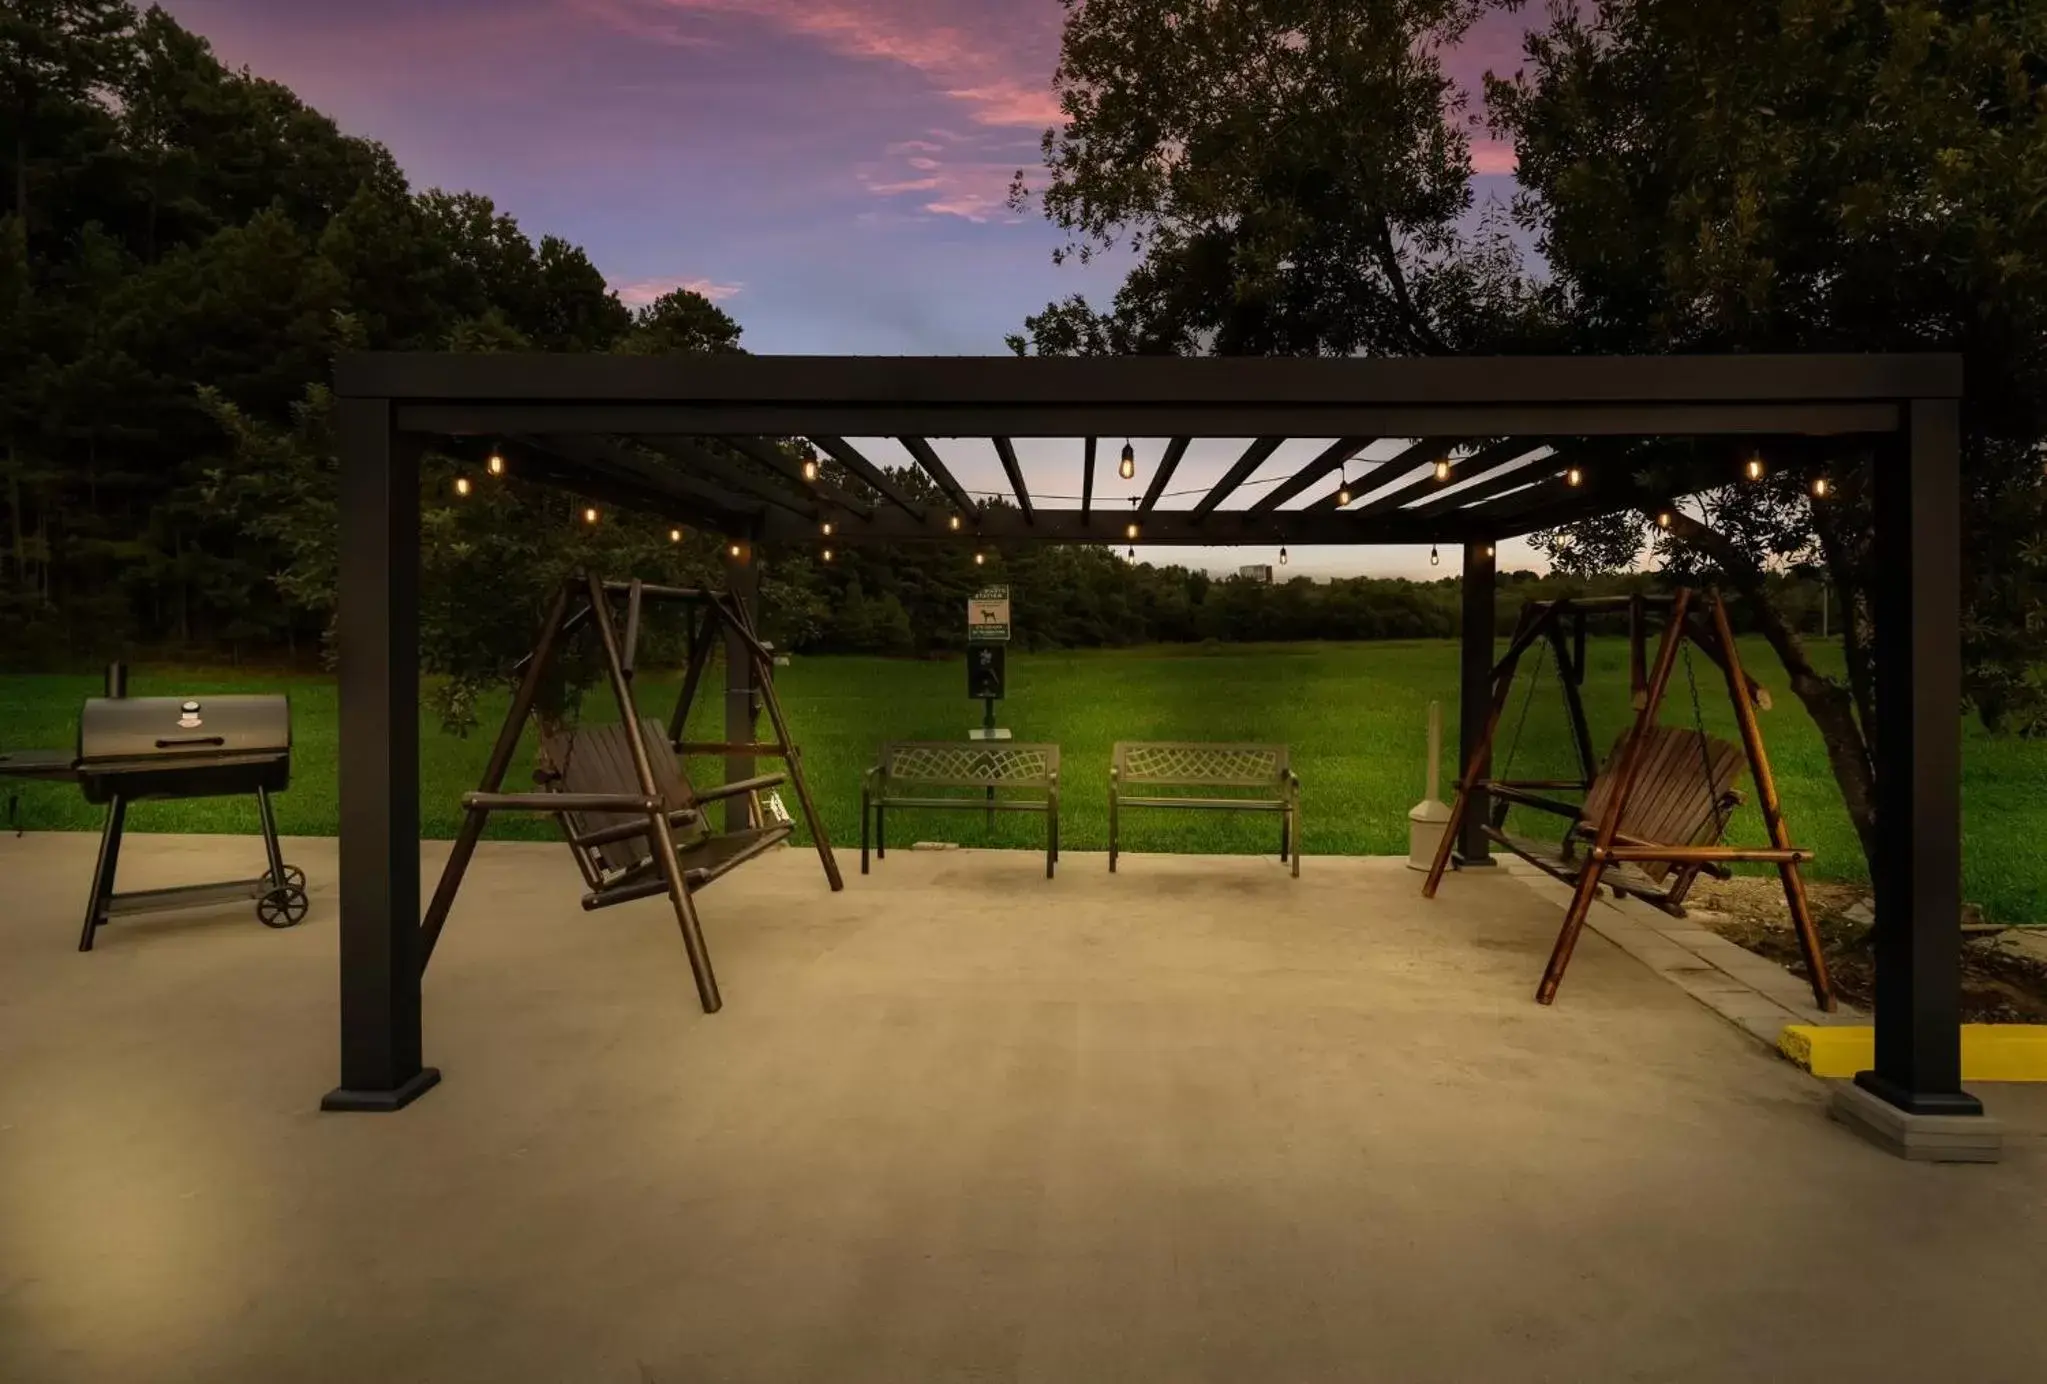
x: 1293, y: 173
x: 1844, y: 176
x: 54, y: 53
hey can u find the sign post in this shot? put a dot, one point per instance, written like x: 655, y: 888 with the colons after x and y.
x: 987, y: 649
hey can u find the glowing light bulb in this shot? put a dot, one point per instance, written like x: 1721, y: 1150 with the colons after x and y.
x: 1573, y: 476
x: 954, y: 523
x: 1442, y: 468
x: 675, y: 535
x: 827, y: 554
x: 1127, y: 467
x: 1132, y: 555
x: 1130, y: 531
x: 461, y: 485
x: 1282, y: 557
x: 496, y: 464
x: 1342, y: 496
x: 590, y: 516
x: 1754, y: 469
x: 1435, y: 558
x: 1488, y: 550
x: 827, y: 528
x: 1663, y: 520
x: 733, y: 551
x: 1820, y: 488
x: 810, y: 468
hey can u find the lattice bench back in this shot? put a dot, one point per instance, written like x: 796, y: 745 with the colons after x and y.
x: 945, y: 763
x: 1192, y: 764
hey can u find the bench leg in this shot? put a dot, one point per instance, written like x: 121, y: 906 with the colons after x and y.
x: 1051, y: 835
x: 1285, y: 835
x: 1293, y: 830
x: 880, y: 831
x: 866, y: 809
x: 1113, y: 824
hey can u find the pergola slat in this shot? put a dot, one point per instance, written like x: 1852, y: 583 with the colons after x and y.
x: 1506, y: 476
x: 767, y: 454
x: 1337, y: 454
x: 1427, y: 449
x: 730, y: 474
x: 610, y: 461
x: 849, y: 457
x: 1007, y: 453
x: 1254, y: 457
x: 918, y: 448
x: 1168, y: 464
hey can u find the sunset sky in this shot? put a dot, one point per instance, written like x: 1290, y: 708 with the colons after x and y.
x: 833, y: 172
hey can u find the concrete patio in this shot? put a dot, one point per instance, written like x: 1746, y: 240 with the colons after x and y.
x: 1196, y: 1121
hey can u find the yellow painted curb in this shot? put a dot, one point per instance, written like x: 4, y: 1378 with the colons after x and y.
x: 1990, y: 1052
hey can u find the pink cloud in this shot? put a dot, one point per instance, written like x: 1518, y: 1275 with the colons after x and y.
x: 639, y: 292
x: 1492, y: 156
x: 925, y: 164
x: 908, y: 185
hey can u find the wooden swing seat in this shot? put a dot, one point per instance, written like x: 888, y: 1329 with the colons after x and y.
x: 596, y: 761
x: 1673, y: 804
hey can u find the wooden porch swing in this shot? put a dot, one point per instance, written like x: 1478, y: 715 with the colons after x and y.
x: 1656, y: 813
x: 633, y: 822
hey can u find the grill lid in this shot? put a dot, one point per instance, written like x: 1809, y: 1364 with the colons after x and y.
x: 176, y: 729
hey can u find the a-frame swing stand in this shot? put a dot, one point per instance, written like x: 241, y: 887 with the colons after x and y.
x: 1613, y: 787
x: 624, y: 799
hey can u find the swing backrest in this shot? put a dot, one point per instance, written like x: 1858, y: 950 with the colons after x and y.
x: 599, y: 759
x: 1680, y: 797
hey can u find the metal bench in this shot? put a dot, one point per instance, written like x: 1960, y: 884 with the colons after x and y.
x: 1174, y: 765
x: 912, y: 773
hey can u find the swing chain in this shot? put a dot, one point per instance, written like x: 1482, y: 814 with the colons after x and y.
x: 1705, y: 755
x: 1505, y: 771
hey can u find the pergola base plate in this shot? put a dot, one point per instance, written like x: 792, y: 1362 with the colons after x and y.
x: 342, y: 1098
x: 1920, y: 1138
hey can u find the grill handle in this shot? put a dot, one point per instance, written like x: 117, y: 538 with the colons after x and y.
x: 190, y: 740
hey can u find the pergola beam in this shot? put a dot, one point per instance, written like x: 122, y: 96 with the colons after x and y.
x: 760, y: 450
x: 849, y: 457
x: 1254, y: 457
x: 921, y: 451
x: 1010, y: 468
x: 1168, y: 464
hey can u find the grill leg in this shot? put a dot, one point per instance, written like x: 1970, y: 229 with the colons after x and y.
x: 276, y: 852
x: 103, y: 876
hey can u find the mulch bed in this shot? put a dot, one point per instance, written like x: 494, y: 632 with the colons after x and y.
x: 2000, y: 985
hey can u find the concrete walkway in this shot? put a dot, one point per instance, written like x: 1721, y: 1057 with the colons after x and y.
x: 1193, y: 1122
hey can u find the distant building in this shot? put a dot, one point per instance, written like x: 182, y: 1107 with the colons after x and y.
x: 1257, y: 572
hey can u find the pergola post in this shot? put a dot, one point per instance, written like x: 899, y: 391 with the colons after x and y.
x: 1918, y: 752
x: 743, y: 581
x: 379, y: 762
x: 1474, y: 694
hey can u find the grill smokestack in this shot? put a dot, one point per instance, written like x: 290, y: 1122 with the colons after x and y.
x: 117, y: 679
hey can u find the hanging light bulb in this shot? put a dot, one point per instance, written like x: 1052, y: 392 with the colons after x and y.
x: 461, y: 485
x: 1282, y: 557
x: 1130, y: 531
x: 1132, y: 554
x: 810, y: 468
x: 1442, y: 468
x: 827, y: 554
x: 590, y: 516
x: 734, y: 551
x: 1821, y: 488
x: 675, y: 535
x: 1343, y: 489
x: 954, y: 523
x: 1435, y: 558
x: 1573, y: 476
x: 1127, y: 468
x: 827, y: 527
x: 1663, y: 520
x: 496, y: 464
x: 980, y: 559
x: 1488, y: 550
x: 1754, y: 469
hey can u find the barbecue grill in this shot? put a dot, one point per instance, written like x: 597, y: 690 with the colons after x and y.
x: 132, y: 748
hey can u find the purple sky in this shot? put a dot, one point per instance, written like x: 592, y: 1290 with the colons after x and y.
x: 833, y: 172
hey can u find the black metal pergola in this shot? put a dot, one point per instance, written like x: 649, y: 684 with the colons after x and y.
x: 1530, y: 443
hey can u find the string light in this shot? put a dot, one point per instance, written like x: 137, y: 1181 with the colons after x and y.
x: 675, y: 535
x: 1130, y: 531
x: 1127, y: 468
x: 1573, y: 476
x: 496, y: 464
x: 1282, y: 557
x: 1663, y: 520
x: 1754, y: 469
x: 1488, y: 550
x: 733, y: 551
x: 827, y: 527
x: 810, y: 468
x: 1821, y: 488
x: 1435, y: 558
x: 1343, y: 489
x: 590, y: 516
x: 1442, y: 468
x: 461, y: 485
x: 827, y: 554
x: 954, y: 523
x: 980, y: 559
x: 1132, y: 554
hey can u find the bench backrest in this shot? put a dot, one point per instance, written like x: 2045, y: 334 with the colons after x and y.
x: 999, y: 764
x: 1675, y: 801
x: 1195, y: 764
x: 598, y: 759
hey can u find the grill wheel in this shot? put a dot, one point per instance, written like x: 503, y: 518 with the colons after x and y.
x: 284, y: 906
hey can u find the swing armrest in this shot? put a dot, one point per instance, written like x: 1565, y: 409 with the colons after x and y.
x: 738, y: 786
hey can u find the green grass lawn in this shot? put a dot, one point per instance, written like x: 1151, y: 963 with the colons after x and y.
x: 1355, y: 715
